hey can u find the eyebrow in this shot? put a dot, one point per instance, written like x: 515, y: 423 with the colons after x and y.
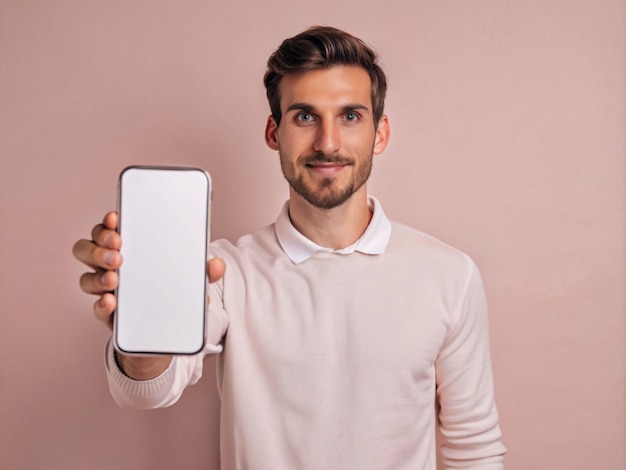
x: 308, y: 108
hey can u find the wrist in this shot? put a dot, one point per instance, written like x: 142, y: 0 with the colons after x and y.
x: 142, y: 367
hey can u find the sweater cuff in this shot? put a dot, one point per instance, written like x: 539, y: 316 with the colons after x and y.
x: 128, y: 392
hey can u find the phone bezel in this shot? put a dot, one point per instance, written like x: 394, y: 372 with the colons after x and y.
x: 125, y: 349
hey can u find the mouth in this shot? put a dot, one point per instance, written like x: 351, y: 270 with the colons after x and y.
x: 327, y: 165
x: 327, y: 168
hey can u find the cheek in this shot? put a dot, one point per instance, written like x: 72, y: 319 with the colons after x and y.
x: 293, y: 142
x: 284, y: 139
x: 359, y: 142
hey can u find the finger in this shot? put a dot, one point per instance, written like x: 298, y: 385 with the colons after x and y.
x: 94, y: 256
x: 110, y: 220
x: 215, y: 268
x: 106, y: 238
x: 103, y: 309
x: 99, y: 282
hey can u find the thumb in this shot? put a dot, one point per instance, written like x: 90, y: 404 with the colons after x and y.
x: 215, y: 268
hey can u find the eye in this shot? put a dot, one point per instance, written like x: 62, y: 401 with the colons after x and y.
x: 304, y: 117
x: 352, y: 116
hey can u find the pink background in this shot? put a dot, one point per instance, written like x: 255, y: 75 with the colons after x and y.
x: 507, y: 142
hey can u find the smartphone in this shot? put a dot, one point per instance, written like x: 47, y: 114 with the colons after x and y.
x: 164, y: 215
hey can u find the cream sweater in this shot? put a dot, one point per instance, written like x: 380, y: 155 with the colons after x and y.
x: 336, y: 362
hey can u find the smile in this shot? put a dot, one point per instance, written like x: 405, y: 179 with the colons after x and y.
x: 326, y: 168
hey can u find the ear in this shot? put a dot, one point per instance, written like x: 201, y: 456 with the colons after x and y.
x: 271, y: 133
x: 383, y: 133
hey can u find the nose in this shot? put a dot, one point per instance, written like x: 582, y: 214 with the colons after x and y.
x: 328, y: 138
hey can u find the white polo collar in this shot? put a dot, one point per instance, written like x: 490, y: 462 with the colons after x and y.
x: 299, y: 248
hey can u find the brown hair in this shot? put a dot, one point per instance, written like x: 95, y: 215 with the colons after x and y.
x: 322, y: 47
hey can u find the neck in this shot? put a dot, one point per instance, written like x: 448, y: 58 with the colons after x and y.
x: 335, y: 228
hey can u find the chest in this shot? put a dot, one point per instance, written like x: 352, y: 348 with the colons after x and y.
x: 338, y: 316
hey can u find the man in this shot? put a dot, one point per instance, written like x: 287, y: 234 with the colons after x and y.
x: 337, y: 329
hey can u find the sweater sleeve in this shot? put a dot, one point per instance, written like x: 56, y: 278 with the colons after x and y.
x: 468, y: 418
x: 160, y: 392
x: 166, y: 389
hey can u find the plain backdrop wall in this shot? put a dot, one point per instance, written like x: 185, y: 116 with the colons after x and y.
x: 507, y: 142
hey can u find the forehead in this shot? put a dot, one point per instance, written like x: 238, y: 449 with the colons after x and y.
x: 337, y: 85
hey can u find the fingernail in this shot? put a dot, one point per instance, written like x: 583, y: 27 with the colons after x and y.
x: 109, y: 258
x: 101, y: 302
x: 103, y: 279
x: 107, y: 241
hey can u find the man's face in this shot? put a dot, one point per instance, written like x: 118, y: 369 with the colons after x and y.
x: 326, y: 138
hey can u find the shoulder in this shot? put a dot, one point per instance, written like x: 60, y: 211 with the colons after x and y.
x: 427, y: 252
x: 408, y: 238
x: 258, y: 243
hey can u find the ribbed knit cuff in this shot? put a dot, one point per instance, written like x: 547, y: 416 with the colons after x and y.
x: 137, y: 393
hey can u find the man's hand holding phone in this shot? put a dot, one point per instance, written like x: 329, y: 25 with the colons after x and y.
x: 102, y: 254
